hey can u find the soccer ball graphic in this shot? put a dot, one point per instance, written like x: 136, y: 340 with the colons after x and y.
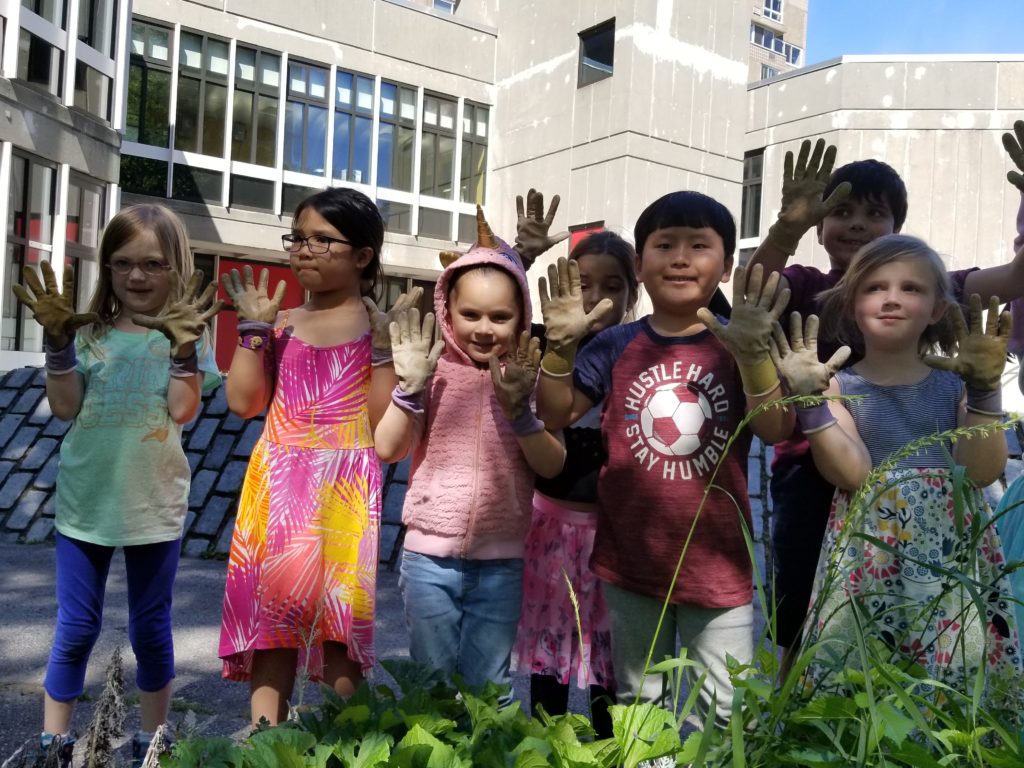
x: 673, y: 418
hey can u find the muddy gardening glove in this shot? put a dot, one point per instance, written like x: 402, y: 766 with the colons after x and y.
x: 183, y: 322
x: 565, y: 321
x: 801, y: 371
x: 514, y: 386
x: 415, y: 355
x: 756, y: 306
x: 802, y: 187
x: 533, y: 227
x: 55, y: 311
x: 380, y: 322
x: 1013, y: 143
x: 256, y: 310
x: 980, y: 356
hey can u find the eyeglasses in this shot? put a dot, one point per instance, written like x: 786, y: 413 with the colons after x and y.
x: 314, y: 243
x: 150, y: 267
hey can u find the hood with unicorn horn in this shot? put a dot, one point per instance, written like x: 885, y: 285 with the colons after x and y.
x: 490, y: 251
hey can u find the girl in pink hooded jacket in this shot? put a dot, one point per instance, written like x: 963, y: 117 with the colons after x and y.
x: 467, y: 418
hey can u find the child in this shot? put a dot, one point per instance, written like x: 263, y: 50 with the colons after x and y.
x: 863, y: 200
x: 888, y: 306
x: 302, y: 572
x: 128, y: 381
x: 673, y: 392
x: 561, y: 537
x: 475, y: 447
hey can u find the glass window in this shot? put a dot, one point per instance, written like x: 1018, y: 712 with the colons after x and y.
x: 85, y: 220
x: 434, y: 223
x: 248, y: 192
x: 97, y: 22
x: 51, y: 10
x: 397, y: 216
x: 353, y: 126
x: 202, y: 95
x: 772, y: 10
x: 40, y: 63
x: 767, y: 71
x: 473, y: 174
x: 446, y: 6
x: 29, y: 238
x: 396, y: 138
x: 305, y: 132
x: 254, y: 113
x: 197, y: 185
x: 597, y: 53
x: 753, y: 172
x: 149, y: 87
x: 143, y: 176
x: 92, y: 91
x: 292, y: 195
x: 437, y: 147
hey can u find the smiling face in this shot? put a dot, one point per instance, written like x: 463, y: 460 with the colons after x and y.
x: 138, y: 291
x: 339, y: 269
x: 601, y: 277
x: 896, y: 302
x: 681, y: 267
x: 851, y: 225
x: 485, y: 313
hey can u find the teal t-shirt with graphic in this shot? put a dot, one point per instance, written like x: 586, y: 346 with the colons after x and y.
x: 123, y: 478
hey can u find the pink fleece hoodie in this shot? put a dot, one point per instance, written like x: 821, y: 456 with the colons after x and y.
x: 470, y: 488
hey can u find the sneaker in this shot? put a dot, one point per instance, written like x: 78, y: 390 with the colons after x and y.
x: 54, y: 751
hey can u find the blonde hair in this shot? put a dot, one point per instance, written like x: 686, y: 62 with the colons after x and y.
x: 838, y: 319
x: 126, y: 225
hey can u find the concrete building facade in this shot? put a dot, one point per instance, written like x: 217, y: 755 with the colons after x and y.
x: 778, y: 38
x: 938, y: 120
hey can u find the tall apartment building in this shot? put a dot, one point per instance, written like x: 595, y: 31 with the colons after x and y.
x: 231, y: 111
x: 778, y: 38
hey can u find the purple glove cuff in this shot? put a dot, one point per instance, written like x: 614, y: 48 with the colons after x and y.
x: 380, y: 357
x: 526, y: 423
x: 985, y: 402
x: 183, y: 367
x: 253, y: 334
x: 60, y: 361
x: 411, y: 403
x: 815, y: 418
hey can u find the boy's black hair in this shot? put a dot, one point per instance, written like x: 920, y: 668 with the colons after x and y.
x: 873, y: 179
x: 354, y: 215
x: 686, y: 209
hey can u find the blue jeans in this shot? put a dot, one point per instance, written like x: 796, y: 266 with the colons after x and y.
x: 462, y: 614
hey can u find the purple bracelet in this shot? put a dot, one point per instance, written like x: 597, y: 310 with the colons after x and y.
x: 815, y: 418
x: 380, y: 357
x: 526, y: 423
x: 253, y: 334
x: 183, y: 367
x: 60, y: 361
x: 410, y: 403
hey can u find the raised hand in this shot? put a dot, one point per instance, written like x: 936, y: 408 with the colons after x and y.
x: 251, y: 301
x: 802, y: 188
x: 981, y: 349
x: 533, y: 226
x: 184, y: 320
x: 52, y: 308
x: 565, y: 321
x: 1013, y: 143
x: 797, y: 359
x: 756, y: 306
x: 414, y: 349
x: 380, y: 322
x: 514, y: 385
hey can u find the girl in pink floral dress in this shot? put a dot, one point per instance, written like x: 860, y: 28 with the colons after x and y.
x: 301, y: 577
x: 897, y: 553
x: 549, y: 644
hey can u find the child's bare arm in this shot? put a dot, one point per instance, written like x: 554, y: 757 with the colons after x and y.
x: 250, y: 382
x: 559, y: 403
x: 979, y: 361
x: 802, y: 206
x: 838, y: 451
x: 415, y: 360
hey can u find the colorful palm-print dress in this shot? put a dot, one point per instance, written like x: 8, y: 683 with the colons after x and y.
x: 303, y: 561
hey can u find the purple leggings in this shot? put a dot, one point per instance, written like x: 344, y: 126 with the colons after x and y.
x: 82, y: 570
